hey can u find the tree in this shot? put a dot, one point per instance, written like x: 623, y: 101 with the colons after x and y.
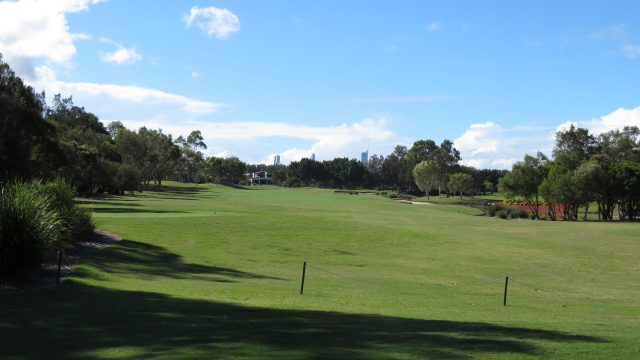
x: 393, y: 168
x: 524, y: 180
x: 489, y: 187
x: 234, y: 168
x: 425, y: 174
x: 627, y: 178
x: 279, y: 176
x: 561, y: 187
x: 461, y: 182
x: 86, y: 149
x: 374, y: 167
x: 192, y: 160
x: 114, y: 128
x: 162, y: 154
x: 25, y: 137
x: 574, y: 146
x: 446, y: 158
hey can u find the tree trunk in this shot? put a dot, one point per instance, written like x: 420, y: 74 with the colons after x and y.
x: 586, y: 210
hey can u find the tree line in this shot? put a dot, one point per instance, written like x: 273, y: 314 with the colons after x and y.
x: 395, y: 171
x: 586, y: 168
x: 63, y: 140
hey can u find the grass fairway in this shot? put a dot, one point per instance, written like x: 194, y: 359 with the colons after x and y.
x: 214, y: 272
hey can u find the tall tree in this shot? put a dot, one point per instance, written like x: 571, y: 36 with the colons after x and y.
x: 425, y: 174
x: 24, y: 134
x: 524, y: 180
x: 461, y: 183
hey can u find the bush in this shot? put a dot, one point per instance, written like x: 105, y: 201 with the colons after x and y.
x: 515, y: 213
x: 493, y: 209
x: 502, y: 214
x: 30, y: 229
x: 293, y: 182
x: 77, y: 222
x: 401, y: 196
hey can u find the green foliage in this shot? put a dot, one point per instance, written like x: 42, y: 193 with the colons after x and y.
x: 461, y: 183
x: 227, y: 170
x: 425, y: 174
x: 25, y: 137
x: 627, y: 175
x: 39, y: 219
x: 30, y: 228
x: 525, y: 178
x: 78, y: 224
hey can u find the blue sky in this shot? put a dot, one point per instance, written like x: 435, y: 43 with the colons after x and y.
x: 334, y: 78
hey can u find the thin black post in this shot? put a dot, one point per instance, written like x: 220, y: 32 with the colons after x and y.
x: 304, y: 269
x: 506, y: 284
x: 59, y: 266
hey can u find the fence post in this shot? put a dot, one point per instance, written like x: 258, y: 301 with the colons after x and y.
x: 304, y: 269
x: 59, y: 266
x: 506, y: 284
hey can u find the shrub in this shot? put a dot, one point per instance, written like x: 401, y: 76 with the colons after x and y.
x: 294, y: 182
x: 493, y: 208
x: 59, y: 191
x: 30, y: 229
x: 524, y: 214
x: 80, y: 225
x: 77, y: 222
x: 502, y: 214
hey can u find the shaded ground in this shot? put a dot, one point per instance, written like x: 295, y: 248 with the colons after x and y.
x: 79, y: 321
x: 70, y: 258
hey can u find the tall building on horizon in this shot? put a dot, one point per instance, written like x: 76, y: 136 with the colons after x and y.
x: 313, y: 157
x: 364, y: 157
x: 276, y: 160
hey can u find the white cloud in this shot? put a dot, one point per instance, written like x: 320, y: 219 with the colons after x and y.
x: 196, y: 74
x: 618, y: 35
x: 345, y: 140
x: 616, y: 120
x: 38, y: 29
x: 434, y: 26
x: 490, y: 145
x: 128, y: 93
x: 631, y: 51
x: 121, y: 55
x: 213, y: 21
x: 612, y: 32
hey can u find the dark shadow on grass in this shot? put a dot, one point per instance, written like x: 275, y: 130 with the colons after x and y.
x: 110, y: 203
x: 78, y: 319
x: 236, y: 186
x: 182, y: 190
x: 145, y: 260
x: 116, y: 210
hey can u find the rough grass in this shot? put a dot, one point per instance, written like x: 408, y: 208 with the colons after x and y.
x: 214, y: 272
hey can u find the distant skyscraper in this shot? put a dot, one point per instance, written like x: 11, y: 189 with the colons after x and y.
x: 276, y: 160
x: 313, y: 157
x: 364, y: 157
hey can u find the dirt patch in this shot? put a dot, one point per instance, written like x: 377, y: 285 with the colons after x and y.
x: 70, y: 258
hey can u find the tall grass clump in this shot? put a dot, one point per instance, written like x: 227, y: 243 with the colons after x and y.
x: 37, y: 220
x: 77, y: 222
x: 30, y: 229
